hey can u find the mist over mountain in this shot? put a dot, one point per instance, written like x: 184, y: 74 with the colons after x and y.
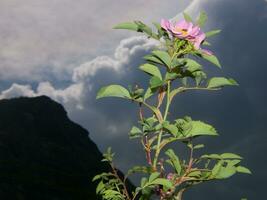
x: 43, y: 154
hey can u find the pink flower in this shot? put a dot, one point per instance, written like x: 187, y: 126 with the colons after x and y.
x: 170, y: 176
x: 185, y: 30
x: 165, y: 24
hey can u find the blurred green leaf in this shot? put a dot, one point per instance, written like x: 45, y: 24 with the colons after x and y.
x: 153, y: 59
x: 153, y: 176
x: 151, y: 69
x: 211, y: 58
x: 163, y: 56
x: 170, y: 127
x: 211, y: 156
x: 202, y: 19
x: 163, y: 182
x: 155, y: 82
x: 127, y: 25
x: 113, y: 91
x: 244, y: 170
x: 187, y: 17
x: 135, y: 132
x: 174, y: 160
x: 230, y: 156
x: 198, y: 128
x: 212, y: 33
x: 217, y: 82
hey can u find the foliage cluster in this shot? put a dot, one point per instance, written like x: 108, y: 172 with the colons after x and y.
x: 174, y: 62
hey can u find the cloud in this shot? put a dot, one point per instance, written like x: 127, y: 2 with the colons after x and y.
x: 50, y: 38
x: 17, y: 90
x: 69, y: 96
x: 126, y: 50
x: 79, y: 96
x: 83, y: 76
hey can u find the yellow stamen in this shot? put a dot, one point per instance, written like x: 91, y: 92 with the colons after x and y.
x: 183, y: 31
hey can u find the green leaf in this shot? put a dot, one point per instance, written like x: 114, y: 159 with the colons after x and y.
x: 199, y: 146
x: 127, y: 25
x: 174, y: 160
x: 135, y: 132
x: 197, y: 128
x: 202, y: 19
x: 199, y: 77
x: 143, y: 181
x: 212, y: 156
x: 212, y: 33
x: 230, y: 156
x: 244, y: 170
x: 178, y: 62
x: 153, y: 59
x: 226, y: 172
x: 216, y: 169
x: 144, y: 28
x: 163, y: 182
x: 148, y: 93
x: 159, y: 28
x: 192, y: 65
x: 163, y: 56
x: 195, y: 174
x: 171, y: 128
x: 206, y: 43
x: 153, y: 176
x: 140, y: 169
x: 155, y: 82
x: 233, y: 162
x: 113, y: 91
x: 217, y: 82
x: 100, y: 187
x: 213, y: 59
x: 151, y: 69
x: 170, y: 76
x: 187, y: 17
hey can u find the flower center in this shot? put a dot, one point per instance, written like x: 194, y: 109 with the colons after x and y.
x: 183, y: 31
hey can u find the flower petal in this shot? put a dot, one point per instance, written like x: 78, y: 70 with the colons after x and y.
x: 199, y: 39
x: 182, y: 24
x: 165, y: 24
x: 195, y: 31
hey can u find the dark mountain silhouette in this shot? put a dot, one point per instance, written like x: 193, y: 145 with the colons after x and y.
x: 44, y: 155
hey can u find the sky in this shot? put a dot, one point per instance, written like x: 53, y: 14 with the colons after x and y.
x: 67, y: 50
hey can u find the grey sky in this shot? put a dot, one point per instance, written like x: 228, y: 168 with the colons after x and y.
x: 49, y: 38
x: 67, y: 50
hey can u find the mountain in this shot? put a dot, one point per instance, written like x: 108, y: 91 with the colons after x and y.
x: 43, y: 154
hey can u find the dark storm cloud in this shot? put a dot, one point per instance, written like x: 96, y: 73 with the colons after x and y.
x: 238, y: 113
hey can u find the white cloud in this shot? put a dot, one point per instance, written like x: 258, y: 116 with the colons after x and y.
x: 17, y: 90
x: 126, y: 49
x: 73, y: 96
x: 69, y: 96
x: 52, y: 37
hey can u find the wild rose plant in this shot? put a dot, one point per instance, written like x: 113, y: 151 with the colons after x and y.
x: 175, y: 62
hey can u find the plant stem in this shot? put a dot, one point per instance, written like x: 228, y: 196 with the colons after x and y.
x: 168, y: 100
x: 179, y: 195
x: 161, y: 131
x: 157, y: 150
x: 125, y: 191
